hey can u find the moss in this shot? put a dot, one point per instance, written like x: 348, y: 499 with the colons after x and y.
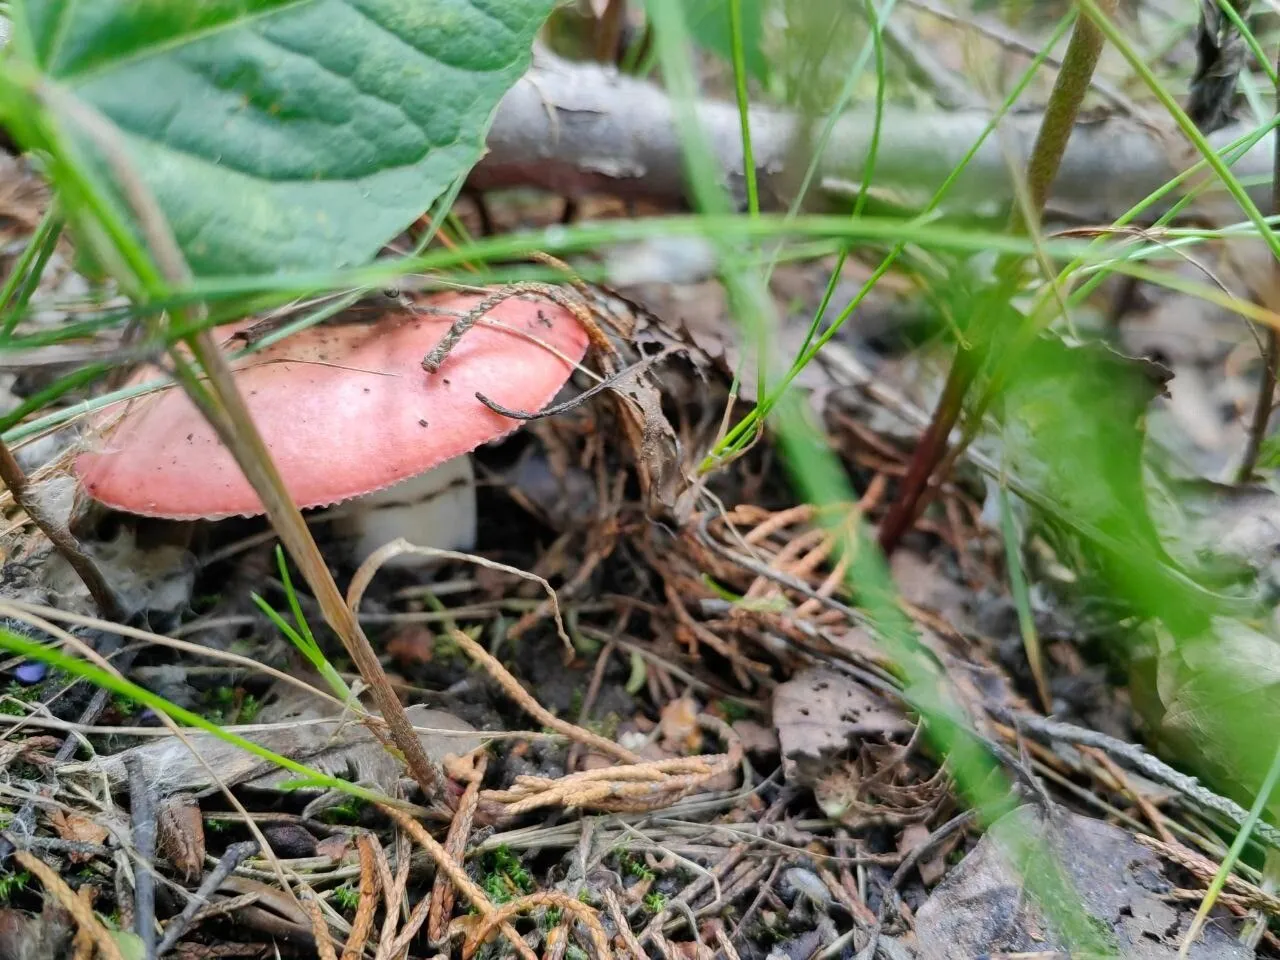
x: 346, y: 896
x: 11, y: 883
x: 505, y: 877
x: 632, y: 866
x: 349, y: 810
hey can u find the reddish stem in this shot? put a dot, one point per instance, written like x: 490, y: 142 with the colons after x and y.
x: 929, y: 453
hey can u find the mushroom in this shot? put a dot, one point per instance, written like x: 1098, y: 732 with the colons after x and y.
x: 349, y: 413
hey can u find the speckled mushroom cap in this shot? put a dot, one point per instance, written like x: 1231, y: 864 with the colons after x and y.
x: 345, y: 410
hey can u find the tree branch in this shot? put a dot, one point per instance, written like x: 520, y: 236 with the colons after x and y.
x: 580, y: 128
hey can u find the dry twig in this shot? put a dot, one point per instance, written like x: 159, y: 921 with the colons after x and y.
x: 461, y: 882
x: 363, y: 923
x: 442, y: 892
x: 83, y: 915
x: 546, y: 898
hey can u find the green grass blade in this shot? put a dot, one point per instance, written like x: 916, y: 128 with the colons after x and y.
x: 95, y: 675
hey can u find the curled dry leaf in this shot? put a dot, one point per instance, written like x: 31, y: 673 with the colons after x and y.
x: 933, y: 866
x: 274, y: 912
x: 682, y: 371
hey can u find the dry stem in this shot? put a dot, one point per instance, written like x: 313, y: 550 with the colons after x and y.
x: 475, y: 896
x: 57, y: 888
x: 226, y: 412
x: 363, y: 922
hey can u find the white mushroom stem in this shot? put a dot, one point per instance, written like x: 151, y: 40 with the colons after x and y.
x: 433, y: 509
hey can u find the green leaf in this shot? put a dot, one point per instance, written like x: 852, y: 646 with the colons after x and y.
x: 129, y: 944
x: 708, y: 22
x: 1269, y: 452
x: 283, y: 134
x: 1073, y: 432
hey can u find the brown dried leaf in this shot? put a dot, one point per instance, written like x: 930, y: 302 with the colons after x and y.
x: 933, y: 867
x: 680, y: 731
x: 275, y: 913
x: 757, y: 739
x: 666, y: 470
x: 77, y: 828
x: 412, y: 645
x: 820, y: 714
x: 336, y: 847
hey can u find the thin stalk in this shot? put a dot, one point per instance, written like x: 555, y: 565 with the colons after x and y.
x: 1271, y: 352
x: 17, y: 290
x: 1022, y: 601
x: 738, y: 44
x: 744, y: 106
x: 1069, y: 90
x: 222, y: 404
x: 1262, y: 408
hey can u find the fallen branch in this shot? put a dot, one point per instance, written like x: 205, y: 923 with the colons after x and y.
x: 581, y: 128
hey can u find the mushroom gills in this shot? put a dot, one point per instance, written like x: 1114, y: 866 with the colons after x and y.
x: 434, y: 509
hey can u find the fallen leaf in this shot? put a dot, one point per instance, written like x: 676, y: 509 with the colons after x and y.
x: 757, y: 739
x: 412, y: 645
x: 274, y: 913
x: 77, y: 828
x: 933, y: 866
x: 679, y: 725
x: 335, y: 847
x: 338, y: 745
x: 820, y: 714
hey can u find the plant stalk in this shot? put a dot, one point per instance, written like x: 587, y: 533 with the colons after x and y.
x: 1262, y: 409
x: 1069, y: 91
x: 223, y: 405
x: 1271, y: 350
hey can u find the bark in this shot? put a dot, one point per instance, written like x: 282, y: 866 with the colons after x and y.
x: 581, y: 128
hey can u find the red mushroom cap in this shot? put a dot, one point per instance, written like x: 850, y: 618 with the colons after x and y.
x: 344, y: 409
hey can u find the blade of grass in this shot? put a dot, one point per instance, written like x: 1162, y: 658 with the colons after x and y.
x: 1233, y: 855
x: 302, y: 637
x: 738, y: 46
x: 1022, y: 601
x: 76, y: 667
x: 219, y: 400
x: 22, y: 282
